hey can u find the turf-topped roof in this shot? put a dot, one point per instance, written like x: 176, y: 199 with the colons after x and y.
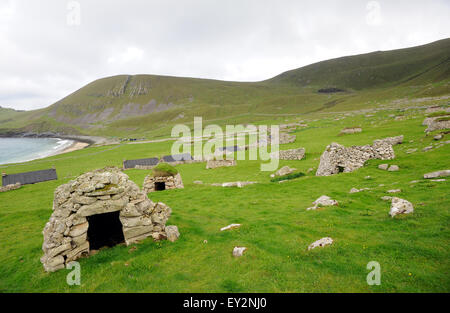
x: 164, y: 169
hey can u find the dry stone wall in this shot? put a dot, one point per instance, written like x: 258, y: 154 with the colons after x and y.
x: 10, y: 187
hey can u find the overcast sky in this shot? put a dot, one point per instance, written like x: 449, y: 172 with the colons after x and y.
x: 50, y: 48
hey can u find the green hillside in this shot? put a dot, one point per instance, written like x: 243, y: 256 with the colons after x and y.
x: 417, y: 65
x: 148, y: 105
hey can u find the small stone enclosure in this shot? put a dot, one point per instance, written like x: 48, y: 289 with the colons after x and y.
x: 337, y: 158
x: 159, y: 183
x: 98, y: 209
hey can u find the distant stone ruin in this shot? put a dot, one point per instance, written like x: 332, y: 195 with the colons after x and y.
x: 158, y: 183
x: 336, y: 158
x: 98, y: 209
x: 220, y: 163
x: 286, y: 138
x: 436, y: 123
x: 351, y: 130
x: 291, y: 154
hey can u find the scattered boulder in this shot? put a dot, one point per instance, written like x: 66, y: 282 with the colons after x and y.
x: 400, y: 206
x: 83, y: 205
x: 443, y: 173
x: 285, y: 170
x: 210, y: 164
x: 393, y: 168
x: 231, y: 226
x: 386, y: 198
x: 198, y: 182
x: 355, y: 190
x: 438, y: 137
x: 172, y: 233
x: 394, y: 191
x: 396, y: 140
x: 321, y: 243
x: 412, y: 150
x: 383, y: 166
x: 337, y: 158
x: 10, y: 187
x: 428, y: 148
x: 239, y: 184
x: 239, y: 251
x: 323, y: 201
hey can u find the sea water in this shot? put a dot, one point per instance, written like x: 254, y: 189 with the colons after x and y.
x: 15, y: 150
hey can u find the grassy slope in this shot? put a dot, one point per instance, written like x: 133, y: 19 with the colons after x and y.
x: 412, y: 250
x: 380, y: 76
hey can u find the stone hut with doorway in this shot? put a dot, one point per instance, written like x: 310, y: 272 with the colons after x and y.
x: 100, y: 209
x: 162, y: 177
x: 337, y: 159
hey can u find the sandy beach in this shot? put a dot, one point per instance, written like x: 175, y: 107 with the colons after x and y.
x: 77, y: 145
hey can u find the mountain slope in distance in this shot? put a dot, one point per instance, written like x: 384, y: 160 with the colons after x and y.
x: 138, y: 104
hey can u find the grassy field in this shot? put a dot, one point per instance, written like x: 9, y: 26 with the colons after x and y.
x: 412, y: 250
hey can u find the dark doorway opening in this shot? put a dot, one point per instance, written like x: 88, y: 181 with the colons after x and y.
x: 160, y: 186
x: 104, y: 230
x: 341, y: 169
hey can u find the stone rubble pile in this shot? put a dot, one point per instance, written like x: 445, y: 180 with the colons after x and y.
x: 336, y: 158
x: 285, y: 170
x: 286, y: 138
x: 102, y: 191
x: 10, y: 187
